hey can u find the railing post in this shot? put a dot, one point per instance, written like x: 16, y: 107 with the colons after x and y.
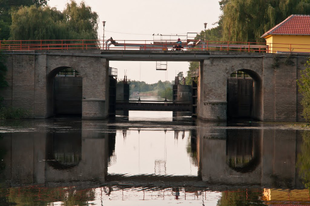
x: 20, y: 45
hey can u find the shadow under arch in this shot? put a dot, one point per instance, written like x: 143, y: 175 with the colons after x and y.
x: 243, y: 150
x: 64, y: 92
x: 244, y: 95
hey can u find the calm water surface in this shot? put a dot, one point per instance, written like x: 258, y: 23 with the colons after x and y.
x: 150, y: 159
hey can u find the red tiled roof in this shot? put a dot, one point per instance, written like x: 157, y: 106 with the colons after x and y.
x: 292, y: 25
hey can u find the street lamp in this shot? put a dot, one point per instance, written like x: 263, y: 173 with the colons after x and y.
x: 103, y: 23
x: 205, y: 35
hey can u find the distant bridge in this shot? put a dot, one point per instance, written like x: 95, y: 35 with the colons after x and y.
x: 145, y: 105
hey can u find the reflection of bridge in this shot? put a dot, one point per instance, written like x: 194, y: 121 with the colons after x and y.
x: 153, y: 105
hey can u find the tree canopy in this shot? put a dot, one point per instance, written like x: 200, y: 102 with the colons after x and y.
x: 6, y: 8
x: 75, y: 22
x: 247, y: 20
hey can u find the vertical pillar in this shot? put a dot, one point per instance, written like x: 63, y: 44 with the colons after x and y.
x: 95, y: 84
x: 212, y: 92
x: 40, y: 90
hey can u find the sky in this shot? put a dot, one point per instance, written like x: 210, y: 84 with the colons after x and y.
x: 140, y: 19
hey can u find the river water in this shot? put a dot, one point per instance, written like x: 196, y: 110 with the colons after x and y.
x: 149, y: 159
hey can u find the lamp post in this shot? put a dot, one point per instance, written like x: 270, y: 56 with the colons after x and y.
x: 103, y: 23
x: 205, y: 34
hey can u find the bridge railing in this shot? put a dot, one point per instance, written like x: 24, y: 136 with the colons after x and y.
x: 159, y: 45
x: 70, y: 44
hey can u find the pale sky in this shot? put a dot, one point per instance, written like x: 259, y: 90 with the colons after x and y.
x: 140, y: 19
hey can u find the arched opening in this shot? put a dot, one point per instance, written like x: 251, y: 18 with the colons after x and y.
x: 243, y: 150
x: 65, y: 92
x: 64, y: 150
x: 244, y: 95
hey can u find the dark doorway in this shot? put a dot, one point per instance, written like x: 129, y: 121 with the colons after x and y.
x: 68, y: 93
x: 239, y: 95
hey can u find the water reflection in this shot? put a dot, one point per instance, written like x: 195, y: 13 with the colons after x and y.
x: 122, y: 163
x: 152, y: 151
x: 304, y: 159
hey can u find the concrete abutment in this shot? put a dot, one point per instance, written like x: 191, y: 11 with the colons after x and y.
x: 31, y: 78
x: 275, y: 93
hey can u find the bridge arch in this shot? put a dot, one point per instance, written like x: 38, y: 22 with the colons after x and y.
x: 65, y: 91
x: 244, y: 94
x: 213, y: 92
x: 64, y: 150
x: 243, y: 150
x: 93, y: 74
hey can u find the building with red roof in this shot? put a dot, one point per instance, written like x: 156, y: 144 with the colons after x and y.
x: 291, y: 35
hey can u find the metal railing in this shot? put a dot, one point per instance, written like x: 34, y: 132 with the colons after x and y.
x: 162, y: 45
x: 71, y: 44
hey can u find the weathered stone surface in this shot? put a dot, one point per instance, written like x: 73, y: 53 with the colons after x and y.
x: 31, y: 75
x: 31, y: 81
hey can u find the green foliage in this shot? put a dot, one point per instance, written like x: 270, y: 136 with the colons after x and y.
x: 75, y: 22
x: 247, y: 20
x: 214, y: 34
x: 137, y: 87
x: 304, y: 88
x: 303, y: 159
x: 13, y: 113
x: 42, y: 196
x: 193, y: 67
x: 244, y: 197
x: 81, y: 21
x: 165, y: 93
x: 6, y: 8
x: 162, y: 89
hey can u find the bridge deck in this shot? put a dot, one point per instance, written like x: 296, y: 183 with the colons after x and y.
x: 154, y: 106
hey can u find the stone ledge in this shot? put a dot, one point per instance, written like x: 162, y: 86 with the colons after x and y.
x: 214, y: 103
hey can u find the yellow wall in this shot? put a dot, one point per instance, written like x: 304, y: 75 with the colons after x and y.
x: 277, y: 195
x: 288, y: 43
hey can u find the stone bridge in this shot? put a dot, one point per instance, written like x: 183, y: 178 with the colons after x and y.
x: 31, y: 77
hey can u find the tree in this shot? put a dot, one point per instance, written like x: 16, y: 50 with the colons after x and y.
x: 6, y: 8
x: 303, y: 160
x: 193, y: 68
x: 247, y: 20
x: 33, y: 22
x: 304, y: 88
x: 81, y: 21
x: 75, y: 22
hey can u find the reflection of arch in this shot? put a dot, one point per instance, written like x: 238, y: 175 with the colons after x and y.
x: 64, y: 150
x: 243, y: 150
x: 244, y: 95
x: 64, y: 93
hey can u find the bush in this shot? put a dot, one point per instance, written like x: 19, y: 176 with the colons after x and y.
x: 13, y: 113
